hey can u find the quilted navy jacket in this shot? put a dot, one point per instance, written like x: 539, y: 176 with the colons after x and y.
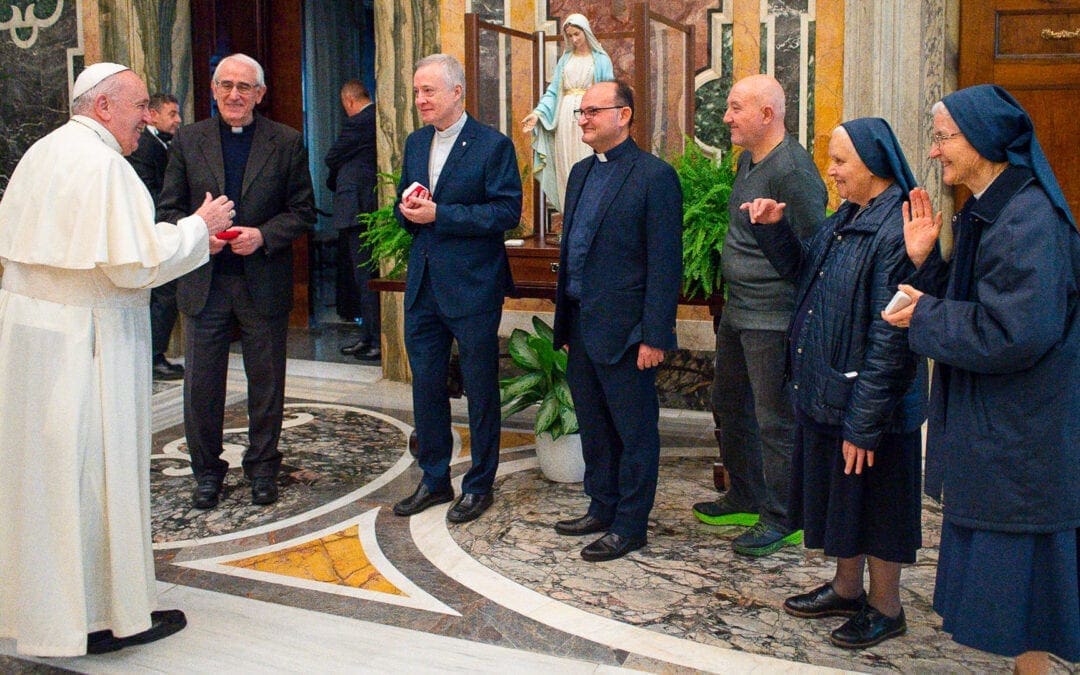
x: 845, y: 276
x: 1002, y: 322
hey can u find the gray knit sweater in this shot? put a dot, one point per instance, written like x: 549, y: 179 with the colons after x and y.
x: 758, y: 298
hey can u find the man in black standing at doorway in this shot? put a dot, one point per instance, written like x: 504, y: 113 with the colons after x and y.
x: 352, y: 162
x: 149, y: 160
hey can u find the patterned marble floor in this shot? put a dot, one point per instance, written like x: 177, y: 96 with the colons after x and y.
x: 328, y: 579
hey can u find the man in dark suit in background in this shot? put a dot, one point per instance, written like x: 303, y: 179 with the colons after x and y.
x: 620, y: 269
x: 458, y: 277
x: 351, y: 161
x: 149, y: 160
x: 263, y: 167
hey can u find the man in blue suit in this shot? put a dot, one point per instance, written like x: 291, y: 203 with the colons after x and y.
x: 458, y: 277
x: 619, y: 276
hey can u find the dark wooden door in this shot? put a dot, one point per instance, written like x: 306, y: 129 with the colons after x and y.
x: 271, y: 32
x: 1032, y: 48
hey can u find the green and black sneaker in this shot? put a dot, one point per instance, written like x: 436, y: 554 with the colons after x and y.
x: 718, y: 512
x: 763, y: 539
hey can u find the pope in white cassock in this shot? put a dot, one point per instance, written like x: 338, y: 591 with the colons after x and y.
x: 80, y: 251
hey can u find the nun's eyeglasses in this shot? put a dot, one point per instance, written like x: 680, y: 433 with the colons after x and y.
x: 938, y: 139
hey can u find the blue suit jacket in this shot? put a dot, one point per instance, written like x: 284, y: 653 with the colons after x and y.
x: 633, y: 269
x: 477, y: 199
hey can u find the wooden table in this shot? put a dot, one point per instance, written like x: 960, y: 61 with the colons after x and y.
x: 535, y: 269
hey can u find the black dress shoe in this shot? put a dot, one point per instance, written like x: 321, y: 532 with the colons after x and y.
x: 611, y: 546
x: 264, y: 490
x: 348, y: 350
x: 163, y: 370
x: 868, y: 628
x: 207, y: 491
x: 421, y: 499
x: 823, y: 601
x: 469, y: 507
x: 368, y: 353
x: 162, y: 624
x: 575, y: 527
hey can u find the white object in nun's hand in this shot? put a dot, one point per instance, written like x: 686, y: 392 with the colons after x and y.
x: 898, y: 302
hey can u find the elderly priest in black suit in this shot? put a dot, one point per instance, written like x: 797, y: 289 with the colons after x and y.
x: 263, y: 167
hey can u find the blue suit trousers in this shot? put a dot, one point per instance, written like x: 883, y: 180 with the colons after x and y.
x: 429, y: 334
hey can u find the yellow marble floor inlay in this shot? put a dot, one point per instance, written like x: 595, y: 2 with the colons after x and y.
x: 338, y: 558
x: 344, y: 559
x: 507, y: 439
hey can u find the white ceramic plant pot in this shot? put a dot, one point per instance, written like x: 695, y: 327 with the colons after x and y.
x: 561, y: 460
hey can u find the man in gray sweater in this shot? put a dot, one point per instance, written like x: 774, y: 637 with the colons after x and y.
x: 751, y: 406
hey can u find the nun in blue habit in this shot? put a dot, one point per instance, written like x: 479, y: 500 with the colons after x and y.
x: 1001, y: 319
x: 858, y: 391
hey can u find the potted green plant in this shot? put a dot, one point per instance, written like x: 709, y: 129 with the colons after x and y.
x: 389, y: 241
x: 706, y: 185
x: 543, y: 383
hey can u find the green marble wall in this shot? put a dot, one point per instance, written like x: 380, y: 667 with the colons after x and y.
x: 39, y: 47
x: 154, y: 38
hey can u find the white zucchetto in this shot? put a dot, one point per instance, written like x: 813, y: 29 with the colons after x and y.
x: 93, y: 76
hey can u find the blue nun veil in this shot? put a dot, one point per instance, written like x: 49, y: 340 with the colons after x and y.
x: 879, y: 150
x: 999, y: 128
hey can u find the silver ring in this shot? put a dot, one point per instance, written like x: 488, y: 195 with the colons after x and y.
x: 232, y: 214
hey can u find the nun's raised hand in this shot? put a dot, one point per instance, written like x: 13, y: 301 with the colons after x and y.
x: 763, y: 211
x: 921, y: 226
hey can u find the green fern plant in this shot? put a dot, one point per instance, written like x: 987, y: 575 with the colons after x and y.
x: 388, y: 240
x: 543, y: 382
x: 706, y: 186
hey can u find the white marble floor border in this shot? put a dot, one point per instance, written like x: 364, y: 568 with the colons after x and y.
x: 431, y: 535
x: 232, y: 634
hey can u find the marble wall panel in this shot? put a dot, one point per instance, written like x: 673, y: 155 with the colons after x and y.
x: 153, y: 37
x: 735, y: 38
x: 415, y: 27
x: 40, y: 49
x: 900, y: 57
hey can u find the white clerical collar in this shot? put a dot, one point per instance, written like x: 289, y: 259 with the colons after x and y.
x: 104, y: 134
x: 454, y: 129
x: 601, y: 157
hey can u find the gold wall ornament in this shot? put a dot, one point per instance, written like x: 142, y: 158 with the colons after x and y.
x: 28, y: 19
x: 1051, y: 34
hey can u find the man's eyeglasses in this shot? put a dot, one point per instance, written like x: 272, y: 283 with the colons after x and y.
x: 589, y: 113
x: 243, y: 87
x: 938, y: 139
